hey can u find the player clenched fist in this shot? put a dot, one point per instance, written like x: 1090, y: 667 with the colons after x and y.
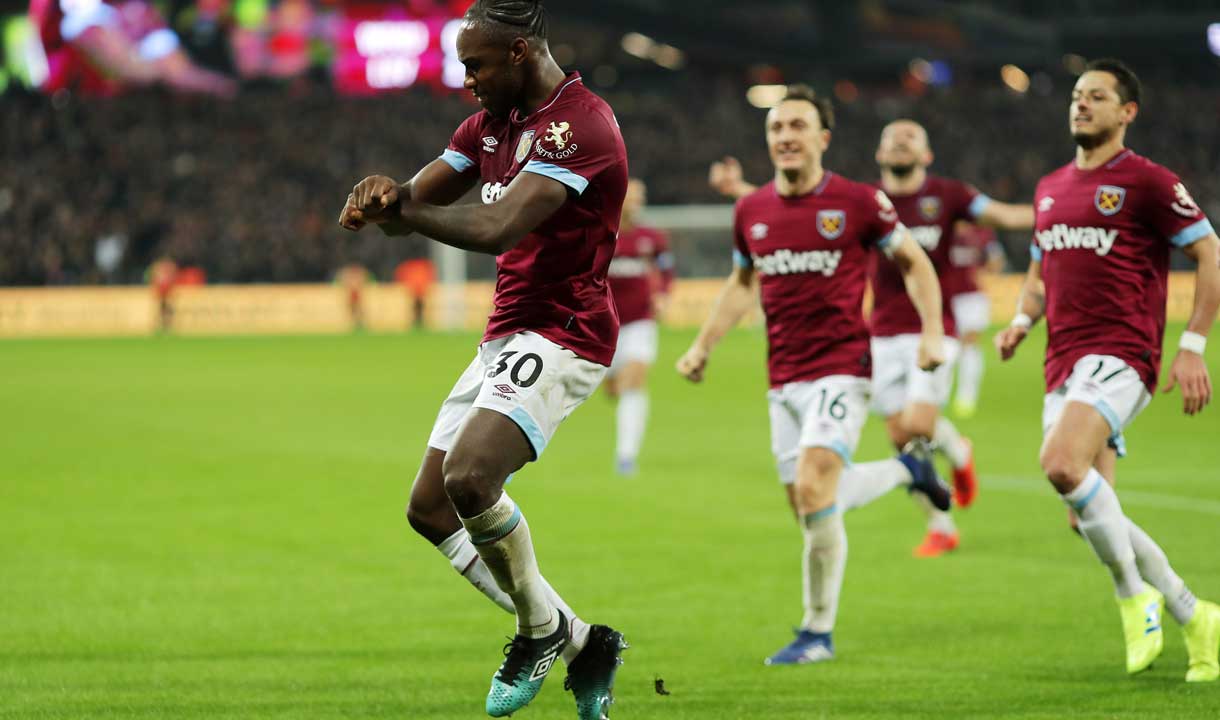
x: 692, y: 363
x: 373, y: 200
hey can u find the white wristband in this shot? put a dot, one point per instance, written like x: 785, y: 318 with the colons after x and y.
x: 1022, y: 321
x: 1193, y: 342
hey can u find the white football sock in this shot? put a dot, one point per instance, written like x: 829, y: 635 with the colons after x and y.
x: 502, y: 537
x: 1154, y: 567
x: 632, y: 418
x: 1107, y: 530
x: 946, y: 439
x: 863, y: 483
x: 938, y: 520
x: 969, y: 374
x: 465, y: 559
x: 822, y: 566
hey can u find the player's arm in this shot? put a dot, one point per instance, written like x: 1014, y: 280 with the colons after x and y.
x: 663, y: 260
x: 376, y: 198
x: 1189, y: 369
x: 1005, y: 216
x: 923, y: 287
x: 1031, y: 305
x: 726, y: 178
x: 736, y: 298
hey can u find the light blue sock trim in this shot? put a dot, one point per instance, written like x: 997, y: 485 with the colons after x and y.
x: 1080, y: 505
x: 821, y: 514
x: 499, y: 531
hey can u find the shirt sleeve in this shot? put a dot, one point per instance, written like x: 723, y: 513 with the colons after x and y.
x: 884, y: 229
x: 574, y: 151
x: 1173, y: 213
x: 464, y: 146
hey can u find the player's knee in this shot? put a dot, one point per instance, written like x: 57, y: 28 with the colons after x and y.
x: 421, y: 520
x: 1063, y: 470
x: 470, y: 484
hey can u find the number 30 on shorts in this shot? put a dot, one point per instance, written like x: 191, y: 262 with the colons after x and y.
x: 525, y: 371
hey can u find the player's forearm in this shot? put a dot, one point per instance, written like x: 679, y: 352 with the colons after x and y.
x: 923, y: 288
x: 1207, y: 287
x: 1005, y: 216
x: 1032, y: 302
x: 730, y: 306
x: 475, y: 228
x: 395, y: 227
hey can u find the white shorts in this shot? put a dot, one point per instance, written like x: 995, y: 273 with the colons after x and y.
x: 637, y: 342
x: 1106, y: 383
x: 897, y: 379
x: 533, y: 381
x: 828, y: 413
x: 971, y: 312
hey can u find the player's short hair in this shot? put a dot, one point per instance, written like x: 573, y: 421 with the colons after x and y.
x: 803, y: 92
x: 1128, y: 83
x: 525, y: 18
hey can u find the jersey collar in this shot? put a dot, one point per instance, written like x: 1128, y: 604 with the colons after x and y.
x: 570, y: 79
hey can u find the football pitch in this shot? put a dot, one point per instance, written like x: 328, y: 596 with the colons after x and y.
x: 214, y: 528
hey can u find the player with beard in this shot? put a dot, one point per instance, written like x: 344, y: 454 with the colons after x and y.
x: 808, y: 237
x: 553, y: 170
x: 910, y: 398
x: 1106, y: 224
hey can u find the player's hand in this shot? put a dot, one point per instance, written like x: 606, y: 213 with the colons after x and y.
x: 1007, y: 340
x: 660, y: 303
x: 350, y: 217
x: 692, y: 364
x: 1190, y: 371
x: 931, y: 352
x: 376, y: 198
x: 726, y: 177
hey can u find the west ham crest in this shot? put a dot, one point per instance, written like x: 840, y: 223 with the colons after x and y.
x: 831, y: 223
x: 523, y: 145
x: 929, y: 208
x: 1109, y: 199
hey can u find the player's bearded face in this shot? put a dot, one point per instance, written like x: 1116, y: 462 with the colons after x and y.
x: 1097, y: 111
x: 903, y: 147
x: 795, y: 137
x: 493, y: 71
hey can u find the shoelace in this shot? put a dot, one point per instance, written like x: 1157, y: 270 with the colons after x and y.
x: 516, y: 652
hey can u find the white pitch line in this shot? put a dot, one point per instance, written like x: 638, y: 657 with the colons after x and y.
x: 1140, y: 498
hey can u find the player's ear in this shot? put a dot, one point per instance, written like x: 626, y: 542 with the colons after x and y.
x: 928, y: 157
x: 825, y: 135
x: 518, y: 51
x: 1130, y: 110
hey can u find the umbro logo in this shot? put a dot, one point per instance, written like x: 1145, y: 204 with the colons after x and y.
x: 758, y: 231
x: 543, y: 666
x: 489, y: 144
x: 506, y: 389
x: 1045, y: 203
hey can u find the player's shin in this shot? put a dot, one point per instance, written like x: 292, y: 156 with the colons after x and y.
x: 1155, y: 569
x: 947, y: 440
x: 632, y: 416
x: 1107, y: 530
x: 465, y: 559
x: 822, y: 565
x: 502, y: 537
x: 863, y: 483
x: 969, y: 376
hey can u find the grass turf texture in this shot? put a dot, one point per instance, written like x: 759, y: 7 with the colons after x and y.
x: 214, y: 528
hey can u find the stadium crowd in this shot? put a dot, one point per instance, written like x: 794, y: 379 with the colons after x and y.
x: 94, y: 190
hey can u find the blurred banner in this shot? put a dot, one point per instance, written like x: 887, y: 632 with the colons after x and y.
x: 101, y: 47
x: 300, y: 309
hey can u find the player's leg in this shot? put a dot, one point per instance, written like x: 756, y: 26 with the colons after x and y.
x: 971, y: 314
x: 637, y: 351
x: 1086, y: 418
x: 863, y: 483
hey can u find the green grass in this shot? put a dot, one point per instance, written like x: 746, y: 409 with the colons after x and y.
x: 214, y: 528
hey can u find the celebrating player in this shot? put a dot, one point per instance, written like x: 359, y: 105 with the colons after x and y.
x: 640, y: 276
x: 1100, y: 261
x: 974, y: 250
x: 909, y: 397
x: 553, y: 169
x: 808, y: 236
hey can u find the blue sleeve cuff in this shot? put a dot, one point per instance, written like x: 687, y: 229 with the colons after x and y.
x: 1193, y: 233
x: 665, y: 261
x: 978, y: 205
x: 740, y: 260
x: 891, y: 240
x: 457, y: 160
x: 1035, y: 252
x: 554, y: 172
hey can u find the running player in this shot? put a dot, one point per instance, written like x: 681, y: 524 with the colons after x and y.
x: 909, y: 398
x: 975, y: 250
x: 640, y: 277
x: 1099, y: 272
x: 808, y: 236
x: 553, y: 173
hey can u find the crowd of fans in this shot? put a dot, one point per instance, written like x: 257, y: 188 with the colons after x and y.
x: 95, y: 190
